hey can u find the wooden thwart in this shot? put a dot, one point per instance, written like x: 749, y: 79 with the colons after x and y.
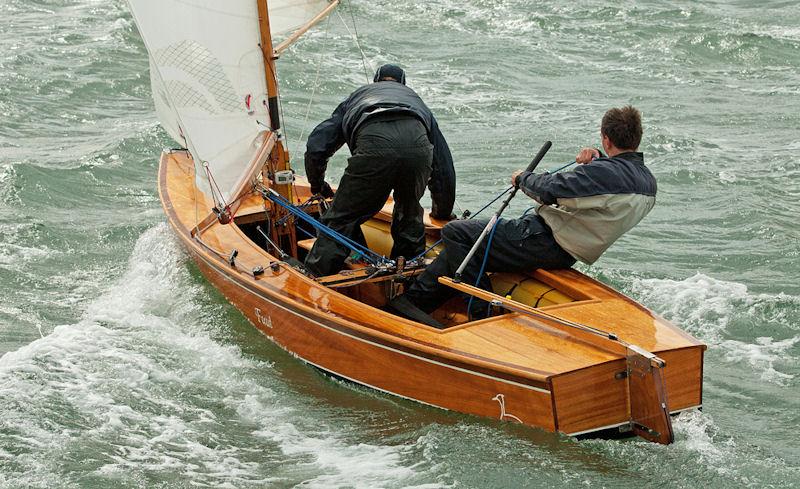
x: 647, y: 393
x: 306, y: 244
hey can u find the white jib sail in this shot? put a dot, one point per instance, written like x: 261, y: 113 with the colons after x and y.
x: 209, y: 86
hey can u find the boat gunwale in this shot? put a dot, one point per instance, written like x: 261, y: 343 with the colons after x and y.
x: 265, y: 291
x: 494, y: 373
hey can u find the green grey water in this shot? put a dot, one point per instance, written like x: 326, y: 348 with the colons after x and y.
x: 121, y: 367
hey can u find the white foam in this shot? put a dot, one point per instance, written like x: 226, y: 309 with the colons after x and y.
x: 14, y: 254
x: 696, y: 432
x: 706, y: 307
x: 779, y: 32
x: 727, y: 176
x: 6, y: 173
x: 762, y: 356
x: 699, y: 447
x: 141, y: 377
x: 117, y: 369
x: 335, y: 462
x: 701, y: 304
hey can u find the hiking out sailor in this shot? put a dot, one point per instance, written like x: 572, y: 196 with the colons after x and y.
x: 582, y: 213
x: 396, y: 145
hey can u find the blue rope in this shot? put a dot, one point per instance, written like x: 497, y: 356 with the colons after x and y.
x: 349, y: 243
x: 483, y: 267
x: 434, y: 245
x: 429, y: 248
x: 489, y: 243
x: 559, y: 169
x: 366, y: 253
x: 492, y: 202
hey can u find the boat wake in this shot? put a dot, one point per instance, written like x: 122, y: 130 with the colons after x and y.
x: 728, y: 317
x: 143, y: 388
x: 702, y: 450
x: 763, y: 355
x: 14, y: 256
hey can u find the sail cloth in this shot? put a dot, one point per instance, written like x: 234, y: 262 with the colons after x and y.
x: 164, y: 110
x: 209, y: 82
x: 286, y: 16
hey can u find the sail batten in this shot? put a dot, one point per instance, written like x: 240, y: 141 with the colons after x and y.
x: 208, y: 77
x: 305, y: 27
x: 287, y: 16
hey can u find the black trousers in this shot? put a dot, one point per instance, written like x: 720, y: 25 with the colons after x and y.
x: 523, y: 244
x: 392, y: 153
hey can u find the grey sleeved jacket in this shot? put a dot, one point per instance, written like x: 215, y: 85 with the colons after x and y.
x: 591, y: 207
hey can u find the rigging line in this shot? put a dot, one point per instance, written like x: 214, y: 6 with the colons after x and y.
x: 483, y: 268
x: 196, y: 204
x: 561, y: 168
x: 316, y: 86
x: 365, y: 252
x: 488, y: 250
x: 195, y: 187
x: 492, y: 201
x: 355, y: 29
x: 434, y: 245
x: 358, y: 44
x: 311, y: 200
x: 213, y: 186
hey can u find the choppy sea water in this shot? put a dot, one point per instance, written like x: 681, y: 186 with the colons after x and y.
x: 121, y: 367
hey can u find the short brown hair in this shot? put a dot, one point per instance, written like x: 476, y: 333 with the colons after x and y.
x: 623, y: 127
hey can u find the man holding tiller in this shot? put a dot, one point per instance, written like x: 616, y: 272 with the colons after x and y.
x: 582, y: 213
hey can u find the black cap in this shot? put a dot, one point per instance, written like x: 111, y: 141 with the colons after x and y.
x: 390, y: 71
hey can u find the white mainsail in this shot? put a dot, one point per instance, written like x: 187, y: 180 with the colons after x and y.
x: 164, y: 110
x: 209, y: 81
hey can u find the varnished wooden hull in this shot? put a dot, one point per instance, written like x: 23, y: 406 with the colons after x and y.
x: 461, y: 368
x: 379, y: 363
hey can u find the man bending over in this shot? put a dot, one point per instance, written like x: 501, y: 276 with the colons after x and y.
x: 396, y: 146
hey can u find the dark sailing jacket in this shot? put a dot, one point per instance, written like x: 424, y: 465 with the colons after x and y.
x: 383, y: 97
x: 591, y: 207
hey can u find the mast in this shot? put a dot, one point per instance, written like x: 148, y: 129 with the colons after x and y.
x: 269, y: 64
x: 279, y: 158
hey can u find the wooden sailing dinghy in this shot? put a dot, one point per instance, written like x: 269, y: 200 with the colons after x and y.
x: 562, y: 352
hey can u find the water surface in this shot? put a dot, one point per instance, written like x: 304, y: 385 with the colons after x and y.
x: 121, y: 367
